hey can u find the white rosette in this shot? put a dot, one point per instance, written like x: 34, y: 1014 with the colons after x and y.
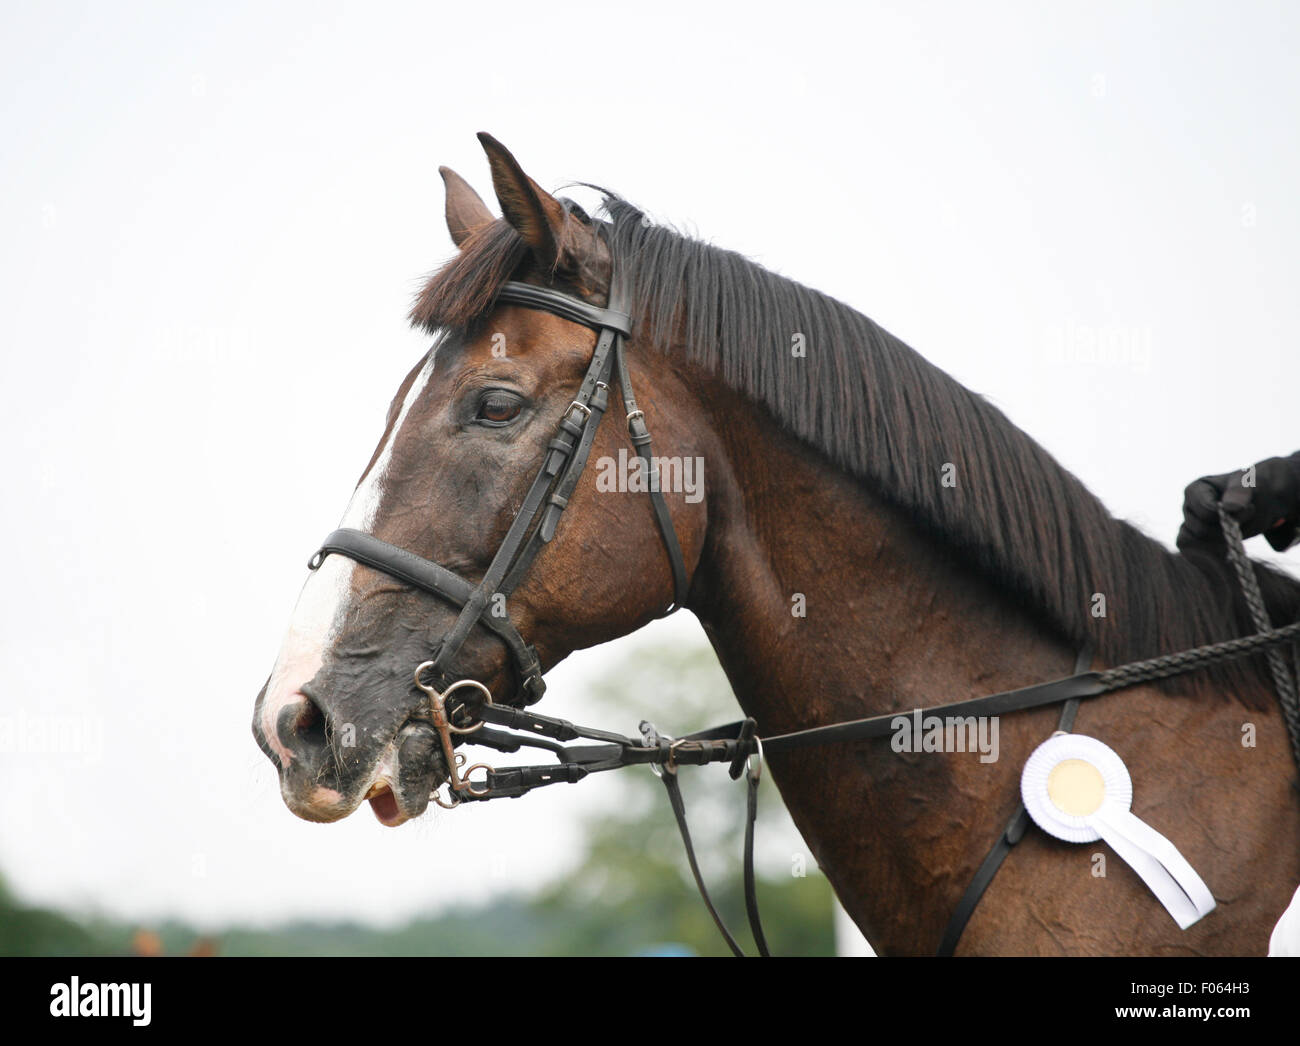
x: 1079, y: 790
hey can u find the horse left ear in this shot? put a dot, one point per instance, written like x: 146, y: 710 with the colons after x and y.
x: 536, y: 215
x: 466, y: 211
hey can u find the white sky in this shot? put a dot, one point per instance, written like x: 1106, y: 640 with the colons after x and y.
x: 213, y: 223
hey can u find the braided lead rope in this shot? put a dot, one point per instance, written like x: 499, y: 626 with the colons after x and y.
x: 1167, y: 665
x: 1283, y: 680
x: 1267, y: 640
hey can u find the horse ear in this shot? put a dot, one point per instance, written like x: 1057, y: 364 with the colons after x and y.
x: 536, y: 215
x: 466, y: 211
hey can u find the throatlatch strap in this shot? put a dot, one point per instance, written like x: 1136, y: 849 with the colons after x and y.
x: 639, y: 433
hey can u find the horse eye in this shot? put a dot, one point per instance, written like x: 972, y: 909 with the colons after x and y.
x: 499, y: 408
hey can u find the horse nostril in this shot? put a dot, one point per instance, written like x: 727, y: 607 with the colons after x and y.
x: 309, y: 724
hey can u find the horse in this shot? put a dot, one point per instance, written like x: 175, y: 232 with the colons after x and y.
x: 870, y: 536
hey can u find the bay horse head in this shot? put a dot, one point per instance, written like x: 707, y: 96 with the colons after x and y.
x: 873, y: 538
x: 340, y: 716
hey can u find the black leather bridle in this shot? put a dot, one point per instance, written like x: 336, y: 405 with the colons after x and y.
x: 506, y: 727
x: 535, y: 523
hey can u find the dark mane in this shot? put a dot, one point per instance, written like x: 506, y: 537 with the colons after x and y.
x: 878, y: 410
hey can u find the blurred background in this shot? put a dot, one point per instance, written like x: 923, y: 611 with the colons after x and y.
x: 214, y: 222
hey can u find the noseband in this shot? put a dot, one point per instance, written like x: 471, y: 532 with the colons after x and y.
x: 535, y: 523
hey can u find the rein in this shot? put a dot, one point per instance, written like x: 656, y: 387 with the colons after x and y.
x: 463, y: 711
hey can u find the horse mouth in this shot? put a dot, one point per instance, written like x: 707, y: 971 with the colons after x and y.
x: 383, y: 804
x: 406, y: 777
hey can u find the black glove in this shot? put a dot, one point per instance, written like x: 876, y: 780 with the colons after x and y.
x: 1271, y: 507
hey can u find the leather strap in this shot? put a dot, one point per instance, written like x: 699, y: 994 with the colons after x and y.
x: 1012, y: 834
x: 669, y: 778
x: 567, y: 307
x: 640, y: 436
x: 438, y: 581
x: 1076, y: 687
x: 558, y: 501
x: 751, y: 889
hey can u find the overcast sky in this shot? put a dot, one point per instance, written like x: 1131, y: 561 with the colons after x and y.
x: 214, y: 220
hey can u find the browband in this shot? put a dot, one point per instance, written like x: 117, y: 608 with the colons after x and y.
x: 565, y: 307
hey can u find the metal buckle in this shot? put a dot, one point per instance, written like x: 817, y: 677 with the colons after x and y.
x: 458, y: 782
x: 653, y: 737
x: 586, y: 411
x: 638, y: 413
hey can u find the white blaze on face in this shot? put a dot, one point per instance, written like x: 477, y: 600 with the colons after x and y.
x: 323, y: 604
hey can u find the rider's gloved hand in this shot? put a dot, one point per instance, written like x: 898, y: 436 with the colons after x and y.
x: 1271, y: 506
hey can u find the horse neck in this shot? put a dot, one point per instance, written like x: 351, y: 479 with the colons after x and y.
x: 826, y: 603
